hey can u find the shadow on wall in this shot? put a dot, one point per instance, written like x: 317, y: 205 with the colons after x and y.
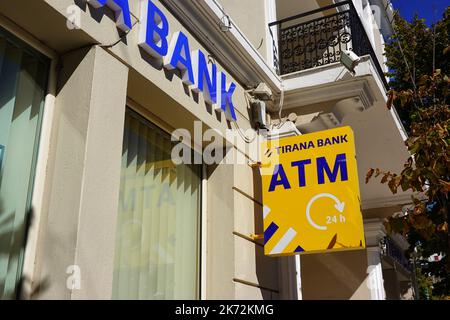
x: 98, y: 14
x: 266, y: 267
x: 13, y: 241
x: 337, y: 275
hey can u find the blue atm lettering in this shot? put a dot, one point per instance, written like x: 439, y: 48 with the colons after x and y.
x: 325, y: 172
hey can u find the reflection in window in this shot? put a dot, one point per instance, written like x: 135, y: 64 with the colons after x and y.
x: 23, y: 77
x: 157, y: 240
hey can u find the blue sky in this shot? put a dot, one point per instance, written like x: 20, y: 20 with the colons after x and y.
x: 431, y: 10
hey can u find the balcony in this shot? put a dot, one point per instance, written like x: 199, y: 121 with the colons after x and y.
x: 321, y: 93
x: 318, y: 38
x: 394, y: 253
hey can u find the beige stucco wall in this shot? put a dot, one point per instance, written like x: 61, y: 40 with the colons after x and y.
x: 84, y: 174
x: 236, y: 265
x: 250, y: 17
x: 337, y: 276
x: 289, y: 8
x: 251, y: 265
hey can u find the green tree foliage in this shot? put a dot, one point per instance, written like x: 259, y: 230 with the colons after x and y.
x: 425, y: 285
x: 419, y: 63
x: 416, y: 51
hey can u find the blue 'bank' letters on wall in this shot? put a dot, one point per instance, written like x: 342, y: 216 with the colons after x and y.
x: 175, y: 54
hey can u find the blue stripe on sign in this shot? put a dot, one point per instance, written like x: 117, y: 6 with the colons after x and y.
x: 299, y: 249
x: 271, y: 229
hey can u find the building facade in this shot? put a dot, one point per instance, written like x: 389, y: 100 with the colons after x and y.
x: 92, y: 205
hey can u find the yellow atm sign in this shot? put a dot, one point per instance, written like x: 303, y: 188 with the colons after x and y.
x: 311, y: 194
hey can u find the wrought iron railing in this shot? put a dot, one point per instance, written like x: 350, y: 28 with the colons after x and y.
x: 390, y: 249
x: 305, y: 41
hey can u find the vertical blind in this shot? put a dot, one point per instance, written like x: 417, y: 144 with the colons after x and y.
x: 23, y: 75
x: 157, y: 240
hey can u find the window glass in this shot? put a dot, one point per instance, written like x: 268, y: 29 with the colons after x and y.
x: 23, y: 78
x: 157, y: 239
